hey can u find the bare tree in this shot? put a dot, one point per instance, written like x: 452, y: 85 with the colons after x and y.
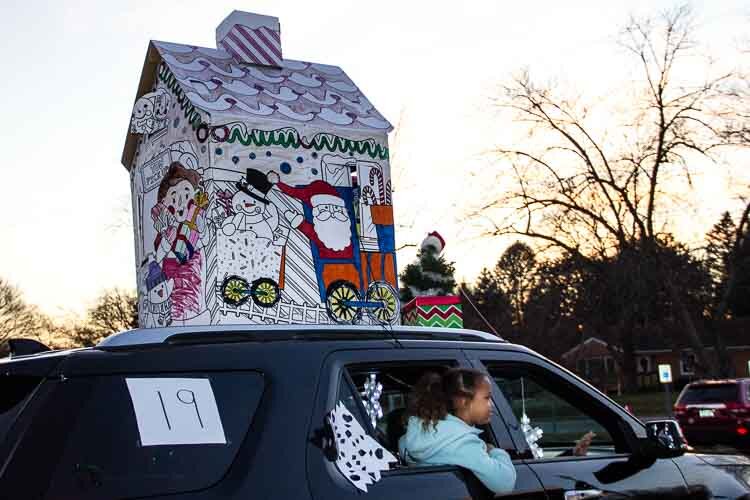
x: 17, y: 318
x: 580, y: 192
x: 115, y: 310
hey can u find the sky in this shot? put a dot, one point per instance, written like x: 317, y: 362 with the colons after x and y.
x: 71, y: 70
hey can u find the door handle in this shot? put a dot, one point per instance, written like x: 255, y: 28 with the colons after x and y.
x: 582, y: 494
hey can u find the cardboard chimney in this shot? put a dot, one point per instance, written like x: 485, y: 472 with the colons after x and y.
x: 261, y: 187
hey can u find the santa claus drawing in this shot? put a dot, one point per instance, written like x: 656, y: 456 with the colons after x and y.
x: 330, y: 229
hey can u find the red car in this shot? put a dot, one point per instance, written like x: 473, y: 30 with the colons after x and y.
x: 715, y: 411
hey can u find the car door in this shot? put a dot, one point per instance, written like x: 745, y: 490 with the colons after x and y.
x: 339, y: 383
x: 564, y: 408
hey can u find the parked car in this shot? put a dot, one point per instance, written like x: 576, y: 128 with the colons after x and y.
x: 715, y: 412
x: 246, y: 412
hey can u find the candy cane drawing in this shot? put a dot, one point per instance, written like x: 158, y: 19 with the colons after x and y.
x: 388, y: 193
x: 377, y: 172
x: 369, y: 196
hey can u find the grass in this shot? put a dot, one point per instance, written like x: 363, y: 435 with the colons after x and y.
x: 646, y: 404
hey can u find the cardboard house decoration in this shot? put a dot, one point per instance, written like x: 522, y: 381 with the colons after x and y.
x: 261, y: 187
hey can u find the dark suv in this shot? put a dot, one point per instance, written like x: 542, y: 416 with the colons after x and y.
x: 246, y: 412
x: 715, y: 411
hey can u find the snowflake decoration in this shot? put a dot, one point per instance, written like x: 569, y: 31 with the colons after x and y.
x: 371, y: 398
x: 532, y: 435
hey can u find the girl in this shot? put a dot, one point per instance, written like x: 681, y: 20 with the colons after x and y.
x: 443, y: 411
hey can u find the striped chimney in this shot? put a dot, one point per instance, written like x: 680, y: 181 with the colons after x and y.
x: 251, y: 38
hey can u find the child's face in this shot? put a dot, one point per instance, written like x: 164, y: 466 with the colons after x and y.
x: 480, y: 407
x: 178, y: 198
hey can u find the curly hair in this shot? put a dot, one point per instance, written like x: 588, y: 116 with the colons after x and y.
x: 435, y: 395
x: 176, y: 173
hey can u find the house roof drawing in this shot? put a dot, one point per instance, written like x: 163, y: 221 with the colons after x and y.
x: 296, y: 92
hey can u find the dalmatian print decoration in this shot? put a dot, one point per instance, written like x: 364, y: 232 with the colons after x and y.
x: 360, y: 458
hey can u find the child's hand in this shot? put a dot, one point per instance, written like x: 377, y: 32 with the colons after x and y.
x: 488, y: 447
x: 582, y: 446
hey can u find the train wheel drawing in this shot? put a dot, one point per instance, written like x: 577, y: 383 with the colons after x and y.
x: 380, y: 292
x: 342, y: 302
x: 265, y: 292
x: 235, y: 290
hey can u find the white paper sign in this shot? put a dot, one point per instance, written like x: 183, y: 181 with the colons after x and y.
x: 665, y: 374
x: 175, y: 411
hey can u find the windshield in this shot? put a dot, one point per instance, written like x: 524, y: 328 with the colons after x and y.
x: 714, y: 393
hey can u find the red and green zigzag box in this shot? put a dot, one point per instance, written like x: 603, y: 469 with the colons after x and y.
x: 442, y: 311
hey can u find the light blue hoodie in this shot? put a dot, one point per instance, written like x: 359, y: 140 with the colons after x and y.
x: 454, y: 442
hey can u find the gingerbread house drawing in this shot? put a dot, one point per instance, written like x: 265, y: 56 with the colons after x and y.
x: 261, y: 187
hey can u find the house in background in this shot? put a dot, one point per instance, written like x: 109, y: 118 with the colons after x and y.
x: 593, y: 358
x: 261, y: 187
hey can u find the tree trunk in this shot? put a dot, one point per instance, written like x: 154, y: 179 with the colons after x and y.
x: 705, y: 364
x: 724, y: 362
x: 724, y: 365
x: 629, y: 367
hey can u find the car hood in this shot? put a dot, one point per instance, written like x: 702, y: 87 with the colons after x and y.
x: 737, y: 466
x: 724, y: 460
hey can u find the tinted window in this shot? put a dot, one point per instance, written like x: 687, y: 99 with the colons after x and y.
x: 14, y: 391
x: 563, y: 412
x: 714, y: 393
x: 86, y: 440
x: 561, y: 422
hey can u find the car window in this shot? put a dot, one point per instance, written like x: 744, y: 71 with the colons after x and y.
x: 552, y: 416
x: 707, y: 394
x: 14, y: 392
x: 385, y: 417
x: 89, y: 442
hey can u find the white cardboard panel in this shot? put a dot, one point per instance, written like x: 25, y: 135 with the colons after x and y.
x: 172, y: 411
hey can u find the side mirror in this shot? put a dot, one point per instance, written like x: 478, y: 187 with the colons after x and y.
x: 668, y: 435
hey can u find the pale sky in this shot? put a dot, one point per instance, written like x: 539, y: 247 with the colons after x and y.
x: 71, y: 70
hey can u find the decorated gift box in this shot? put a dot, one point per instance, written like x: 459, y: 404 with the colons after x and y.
x: 442, y: 311
x: 261, y: 187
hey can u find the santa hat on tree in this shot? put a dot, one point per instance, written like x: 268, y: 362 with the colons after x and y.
x: 435, y: 241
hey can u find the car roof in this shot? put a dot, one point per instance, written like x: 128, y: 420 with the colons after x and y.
x: 720, y: 381
x: 266, y: 333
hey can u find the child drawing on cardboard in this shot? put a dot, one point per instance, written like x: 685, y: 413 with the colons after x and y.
x: 179, y: 219
x: 150, y: 112
x: 253, y: 211
x: 158, y: 304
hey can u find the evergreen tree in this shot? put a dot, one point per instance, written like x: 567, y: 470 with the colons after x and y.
x: 515, y: 273
x: 430, y: 274
x: 719, y: 250
x: 491, y: 302
x: 728, y: 260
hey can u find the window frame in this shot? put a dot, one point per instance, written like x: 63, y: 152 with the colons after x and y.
x: 639, y: 368
x: 544, y: 385
x: 491, y: 430
x: 683, y: 357
x: 336, y: 365
x: 629, y: 428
